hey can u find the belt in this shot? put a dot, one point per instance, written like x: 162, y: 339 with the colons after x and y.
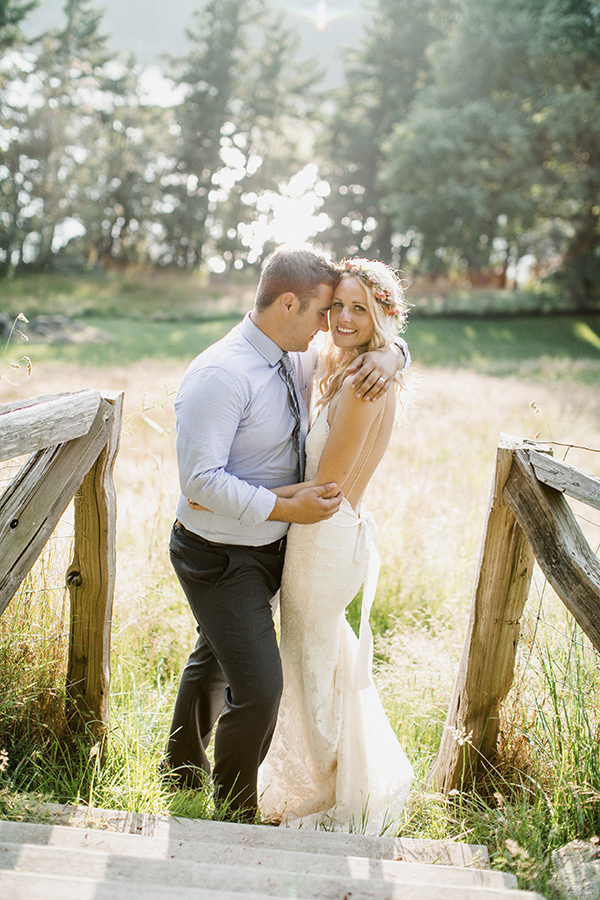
x: 275, y: 547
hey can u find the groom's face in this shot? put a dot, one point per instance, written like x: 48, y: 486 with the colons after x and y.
x: 309, y: 320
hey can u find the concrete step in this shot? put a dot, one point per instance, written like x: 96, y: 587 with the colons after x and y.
x: 447, y: 853
x: 31, y: 886
x: 58, y: 850
x: 103, y: 854
x: 16, y: 833
x: 27, y: 886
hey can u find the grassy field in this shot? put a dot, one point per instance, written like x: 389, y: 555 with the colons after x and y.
x: 119, y: 320
x: 473, y: 379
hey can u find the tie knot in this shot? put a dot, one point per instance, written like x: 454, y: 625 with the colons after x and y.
x: 286, y: 362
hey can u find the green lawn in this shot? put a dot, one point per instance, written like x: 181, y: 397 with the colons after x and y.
x: 548, y: 346
x: 173, y: 315
x: 129, y: 341
x: 499, y: 346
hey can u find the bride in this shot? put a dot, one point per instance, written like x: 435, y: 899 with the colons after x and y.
x: 335, y: 759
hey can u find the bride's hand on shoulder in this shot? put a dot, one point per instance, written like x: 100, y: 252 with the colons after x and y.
x: 373, y: 372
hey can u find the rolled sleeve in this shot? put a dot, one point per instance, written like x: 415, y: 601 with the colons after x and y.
x: 261, y: 507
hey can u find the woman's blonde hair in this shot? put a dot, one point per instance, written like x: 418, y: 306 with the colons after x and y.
x: 385, y: 301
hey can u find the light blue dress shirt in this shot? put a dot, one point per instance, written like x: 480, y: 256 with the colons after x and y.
x: 234, y: 430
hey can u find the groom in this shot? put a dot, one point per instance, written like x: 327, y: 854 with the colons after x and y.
x: 240, y: 429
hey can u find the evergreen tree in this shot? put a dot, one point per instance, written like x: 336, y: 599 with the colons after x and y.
x: 500, y: 154
x: 207, y: 74
x: 236, y: 131
x: 276, y: 125
x: 46, y: 120
x: 117, y: 188
x: 383, y: 74
x: 12, y: 13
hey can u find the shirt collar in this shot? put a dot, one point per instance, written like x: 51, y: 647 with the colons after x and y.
x: 267, y: 348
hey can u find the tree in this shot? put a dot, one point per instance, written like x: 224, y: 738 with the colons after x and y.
x: 234, y: 130
x: 207, y: 75
x: 12, y: 13
x: 458, y: 182
x: 567, y: 53
x: 54, y: 97
x: 276, y: 126
x: 116, y: 189
x: 505, y: 140
x: 382, y: 78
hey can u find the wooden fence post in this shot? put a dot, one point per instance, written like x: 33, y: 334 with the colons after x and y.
x: 73, y: 441
x: 91, y: 580
x: 486, y: 667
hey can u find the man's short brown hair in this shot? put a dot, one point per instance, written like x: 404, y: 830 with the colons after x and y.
x: 298, y: 271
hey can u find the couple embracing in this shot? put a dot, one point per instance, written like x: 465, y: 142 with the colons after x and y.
x: 301, y: 736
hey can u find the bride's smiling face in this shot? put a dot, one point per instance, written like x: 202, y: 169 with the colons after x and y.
x: 350, y: 321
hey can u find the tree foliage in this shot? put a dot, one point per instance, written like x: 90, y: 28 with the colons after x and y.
x: 12, y: 13
x: 383, y: 75
x: 244, y: 94
x: 499, y: 156
x: 44, y: 114
x: 465, y: 135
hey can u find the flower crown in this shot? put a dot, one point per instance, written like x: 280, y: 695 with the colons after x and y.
x: 384, y: 297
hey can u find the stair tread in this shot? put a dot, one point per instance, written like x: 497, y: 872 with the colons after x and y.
x: 152, y: 858
x: 28, y: 886
x: 82, y: 853
x: 299, y: 840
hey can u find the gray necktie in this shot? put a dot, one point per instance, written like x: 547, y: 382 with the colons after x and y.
x: 298, y: 408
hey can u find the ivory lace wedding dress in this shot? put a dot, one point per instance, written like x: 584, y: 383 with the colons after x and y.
x: 334, y: 759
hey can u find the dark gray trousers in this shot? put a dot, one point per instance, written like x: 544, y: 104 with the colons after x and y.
x: 234, y: 673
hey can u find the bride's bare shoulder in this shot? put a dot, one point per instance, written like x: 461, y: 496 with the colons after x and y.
x: 347, y: 406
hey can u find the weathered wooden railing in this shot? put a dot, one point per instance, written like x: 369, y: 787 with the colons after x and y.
x: 72, y: 440
x: 528, y: 518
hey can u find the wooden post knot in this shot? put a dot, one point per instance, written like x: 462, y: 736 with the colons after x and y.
x: 74, y: 578
x: 507, y: 621
x: 14, y: 523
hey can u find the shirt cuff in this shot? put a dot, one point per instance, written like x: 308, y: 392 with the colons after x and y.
x: 400, y: 342
x: 260, y: 507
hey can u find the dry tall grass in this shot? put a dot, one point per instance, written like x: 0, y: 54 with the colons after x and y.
x: 428, y: 497
x: 429, y: 500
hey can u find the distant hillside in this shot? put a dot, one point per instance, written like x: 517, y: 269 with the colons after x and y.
x: 149, y: 27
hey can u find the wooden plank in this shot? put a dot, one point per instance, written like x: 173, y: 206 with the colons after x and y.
x: 31, y: 401
x: 561, y: 549
x: 46, y: 424
x: 35, y: 500
x: 565, y: 478
x: 487, y: 664
x: 91, y: 582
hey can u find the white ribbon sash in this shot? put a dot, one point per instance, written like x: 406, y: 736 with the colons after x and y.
x: 368, y: 550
